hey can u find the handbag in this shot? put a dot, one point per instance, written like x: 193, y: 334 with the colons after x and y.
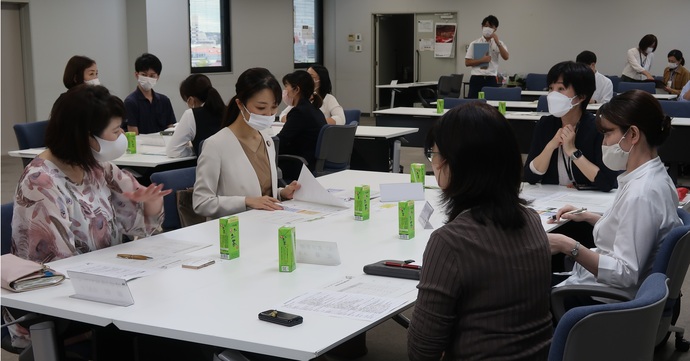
x: 185, y: 208
x: 19, y: 275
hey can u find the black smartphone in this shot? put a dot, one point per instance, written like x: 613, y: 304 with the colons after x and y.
x: 281, y: 318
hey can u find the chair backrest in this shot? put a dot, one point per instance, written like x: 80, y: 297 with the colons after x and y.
x: 673, y: 260
x: 456, y: 85
x: 450, y: 103
x: 674, y: 108
x: 31, y: 135
x: 615, y: 80
x: 6, y: 225
x: 334, y: 148
x: 535, y: 82
x: 175, y: 179
x: 507, y: 94
x: 444, y: 87
x: 542, y: 104
x: 352, y: 115
x: 612, y: 331
x: 624, y: 86
x: 426, y: 96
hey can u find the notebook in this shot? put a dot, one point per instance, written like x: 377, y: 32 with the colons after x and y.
x: 480, y: 51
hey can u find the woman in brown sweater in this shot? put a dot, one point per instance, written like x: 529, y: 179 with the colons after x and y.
x: 485, y: 282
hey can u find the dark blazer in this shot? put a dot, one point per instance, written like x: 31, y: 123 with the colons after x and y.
x: 588, y: 140
x: 206, y: 125
x: 301, y: 131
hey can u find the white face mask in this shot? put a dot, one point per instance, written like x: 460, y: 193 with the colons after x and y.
x: 93, y: 81
x: 487, y: 31
x: 286, y: 98
x: 146, y: 83
x: 672, y: 65
x: 650, y: 51
x: 110, y: 149
x: 257, y: 121
x: 559, y: 104
x: 614, y: 157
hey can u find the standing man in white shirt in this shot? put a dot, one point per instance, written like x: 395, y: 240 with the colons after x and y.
x: 604, y: 86
x: 485, y: 75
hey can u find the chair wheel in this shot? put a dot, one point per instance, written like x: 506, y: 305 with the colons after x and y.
x: 682, y: 344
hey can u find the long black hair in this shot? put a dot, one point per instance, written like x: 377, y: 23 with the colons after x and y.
x: 325, y: 87
x: 249, y: 83
x: 200, y: 87
x: 302, y: 81
x: 483, y: 159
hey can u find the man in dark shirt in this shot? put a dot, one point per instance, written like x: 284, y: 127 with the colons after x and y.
x: 148, y: 111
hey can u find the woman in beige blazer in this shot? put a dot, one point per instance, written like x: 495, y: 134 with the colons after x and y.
x: 236, y: 168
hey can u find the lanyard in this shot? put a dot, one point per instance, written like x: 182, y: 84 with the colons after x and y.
x: 645, y: 59
x: 568, y: 165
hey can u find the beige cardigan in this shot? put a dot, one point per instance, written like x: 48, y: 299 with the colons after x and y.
x: 224, y: 175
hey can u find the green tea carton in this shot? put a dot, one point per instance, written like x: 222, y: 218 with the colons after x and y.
x: 229, y: 237
x: 406, y: 219
x: 362, y: 202
x: 417, y: 173
x: 286, y: 249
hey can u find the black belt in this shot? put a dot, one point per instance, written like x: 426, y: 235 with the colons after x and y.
x: 485, y: 76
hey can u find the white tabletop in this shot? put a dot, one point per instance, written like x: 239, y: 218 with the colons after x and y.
x: 407, y: 85
x: 218, y: 305
x: 148, y: 155
x: 678, y: 121
x: 365, y: 131
x: 412, y: 111
x: 663, y: 96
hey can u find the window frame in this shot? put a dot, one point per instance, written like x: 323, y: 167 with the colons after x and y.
x: 226, y: 41
x: 318, y: 32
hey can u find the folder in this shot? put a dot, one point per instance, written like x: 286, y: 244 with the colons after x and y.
x: 480, y: 50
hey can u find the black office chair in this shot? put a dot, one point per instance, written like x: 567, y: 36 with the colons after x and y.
x: 536, y: 82
x: 624, y: 86
x: 629, y: 327
x: 675, y: 108
x: 31, y: 135
x: 615, y: 80
x: 334, y: 148
x: 426, y: 96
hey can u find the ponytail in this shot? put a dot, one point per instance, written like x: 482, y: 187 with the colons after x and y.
x: 214, y: 102
x: 232, y: 111
x: 317, y: 100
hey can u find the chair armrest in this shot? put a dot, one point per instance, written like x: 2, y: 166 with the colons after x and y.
x: 290, y: 166
x: 559, y: 294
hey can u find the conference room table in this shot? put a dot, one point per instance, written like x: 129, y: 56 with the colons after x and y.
x: 375, y: 148
x: 535, y: 94
x: 219, y: 305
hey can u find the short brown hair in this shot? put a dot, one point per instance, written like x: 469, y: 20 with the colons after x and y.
x: 82, y: 112
x: 74, y: 70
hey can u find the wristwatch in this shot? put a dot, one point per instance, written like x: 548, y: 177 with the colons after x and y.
x: 576, y: 154
x: 576, y: 250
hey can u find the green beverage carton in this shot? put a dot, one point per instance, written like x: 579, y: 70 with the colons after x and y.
x: 229, y: 237
x: 286, y: 249
x: 406, y: 219
x: 481, y: 95
x: 131, y: 142
x: 362, y: 202
x: 417, y: 173
x: 502, y: 107
x: 439, y: 106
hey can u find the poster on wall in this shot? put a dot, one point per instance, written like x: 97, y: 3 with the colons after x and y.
x: 426, y: 44
x: 445, y: 40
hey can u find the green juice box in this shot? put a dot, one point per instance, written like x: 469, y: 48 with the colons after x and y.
x: 286, y: 249
x: 417, y: 173
x: 406, y: 219
x: 362, y: 202
x: 131, y: 142
x: 440, y: 105
x: 229, y: 237
x: 480, y: 95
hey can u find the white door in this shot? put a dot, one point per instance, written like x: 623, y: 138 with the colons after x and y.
x: 13, y: 100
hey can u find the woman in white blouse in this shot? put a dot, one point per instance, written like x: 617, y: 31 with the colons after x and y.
x: 331, y: 109
x: 640, y: 59
x: 627, y: 236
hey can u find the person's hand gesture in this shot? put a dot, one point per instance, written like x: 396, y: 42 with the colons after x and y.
x: 266, y: 203
x: 147, y: 194
x: 289, y: 191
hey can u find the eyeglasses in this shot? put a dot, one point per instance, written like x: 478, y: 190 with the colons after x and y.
x: 429, y: 153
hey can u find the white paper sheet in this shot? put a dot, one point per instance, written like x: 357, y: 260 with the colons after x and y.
x: 395, y: 192
x: 342, y: 304
x: 312, y: 191
x: 110, y: 270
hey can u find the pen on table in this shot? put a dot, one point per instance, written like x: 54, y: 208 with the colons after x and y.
x: 133, y: 256
x: 402, y: 265
x: 574, y: 211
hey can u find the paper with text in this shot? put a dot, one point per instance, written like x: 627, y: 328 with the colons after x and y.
x: 312, y: 191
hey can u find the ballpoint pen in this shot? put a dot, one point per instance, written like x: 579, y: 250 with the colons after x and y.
x: 134, y: 256
x: 402, y: 265
x: 574, y: 211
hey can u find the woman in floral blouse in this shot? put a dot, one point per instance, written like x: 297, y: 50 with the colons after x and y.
x: 71, y: 199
